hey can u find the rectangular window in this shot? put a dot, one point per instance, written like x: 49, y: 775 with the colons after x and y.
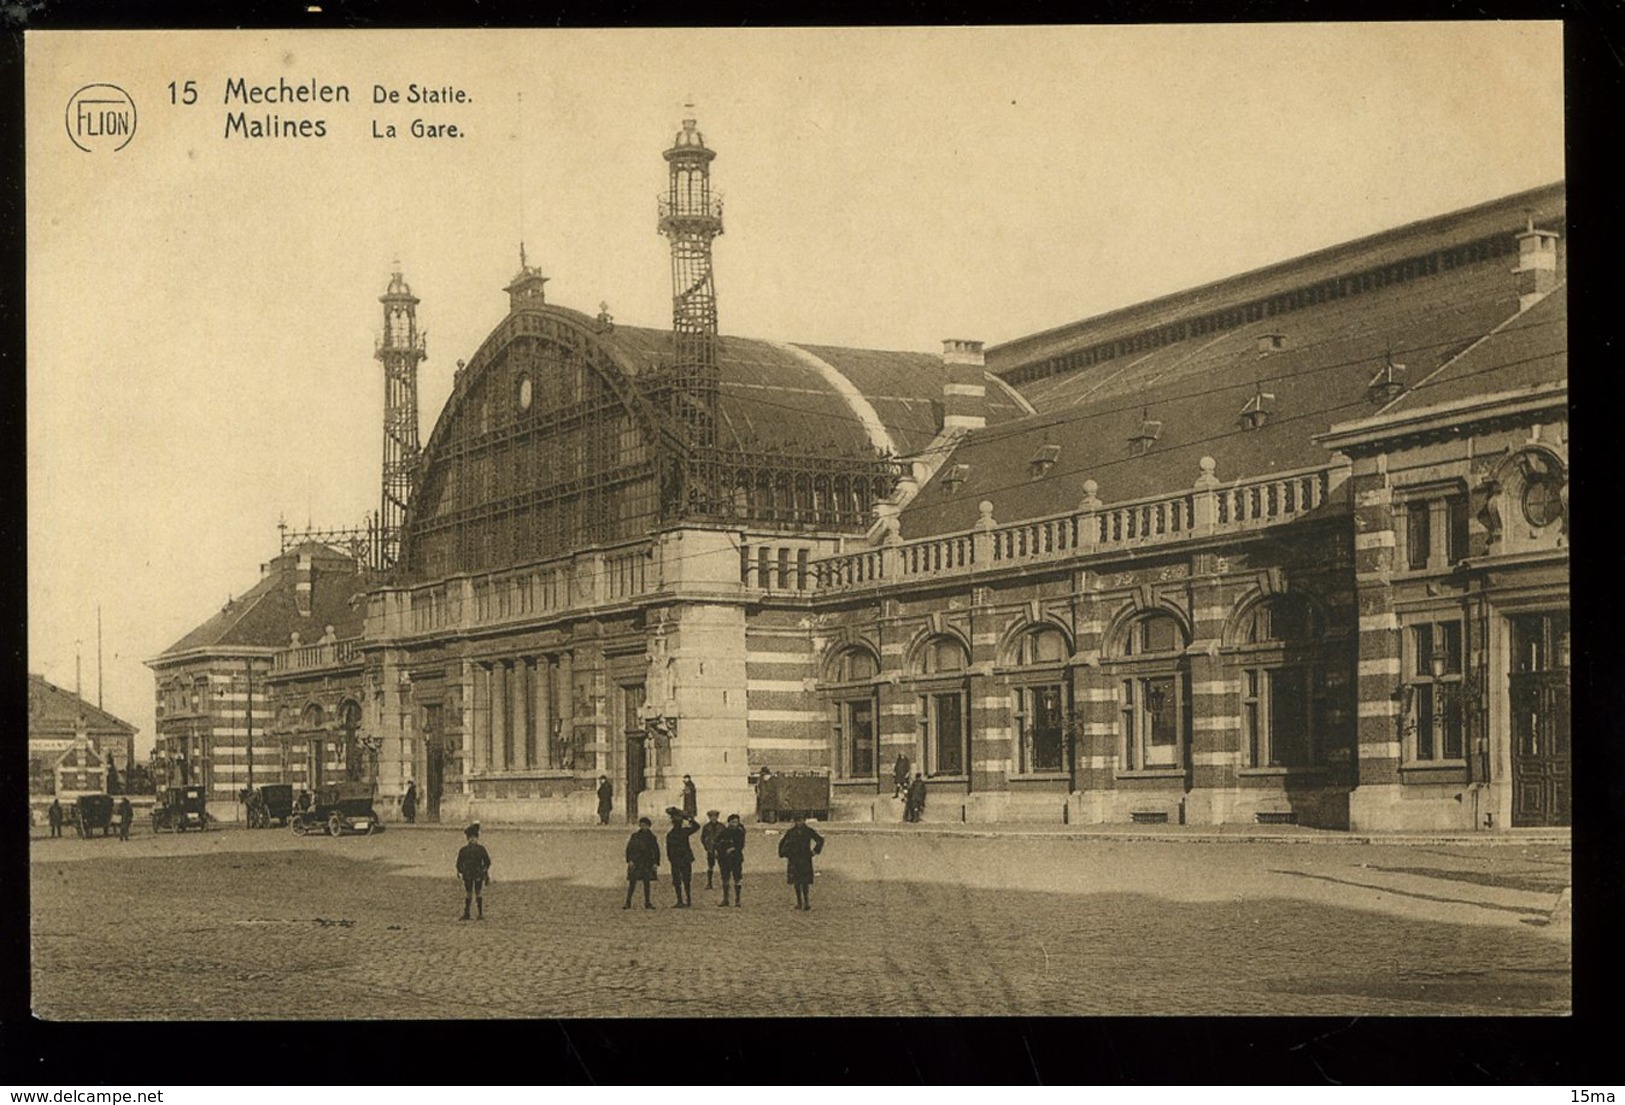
x: 945, y: 733
x: 860, y: 738
x: 1040, y: 728
x: 1418, y: 534
x: 1153, y: 714
x: 1252, y: 719
x: 1289, y: 717
x: 1437, y: 713
x: 1456, y: 549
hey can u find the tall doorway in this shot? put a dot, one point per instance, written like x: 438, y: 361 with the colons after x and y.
x: 636, y: 743
x: 1539, y: 696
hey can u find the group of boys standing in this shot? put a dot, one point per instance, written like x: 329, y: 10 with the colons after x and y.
x: 724, y: 846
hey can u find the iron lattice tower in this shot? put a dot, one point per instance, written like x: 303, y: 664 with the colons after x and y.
x: 691, y: 217
x: 400, y: 349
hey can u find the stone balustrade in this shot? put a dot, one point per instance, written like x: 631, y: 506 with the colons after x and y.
x: 1210, y: 509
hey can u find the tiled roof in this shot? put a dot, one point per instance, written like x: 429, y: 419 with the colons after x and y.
x: 775, y: 395
x: 51, y: 709
x: 267, y: 614
x: 1197, y: 388
x: 1548, y: 203
x: 1527, y: 352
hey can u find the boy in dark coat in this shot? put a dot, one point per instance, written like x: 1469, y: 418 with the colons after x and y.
x: 606, y: 799
x: 680, y: 853
x: 916, y: 799
x: 474, y: 865
x: 798, y: 846
x: 691, y: 797
x: 642, y: 860
x: 708, y: 841
x: 899, y: 775
x: 54, y: 816
x: 731, y: 855
x: 409, y: 803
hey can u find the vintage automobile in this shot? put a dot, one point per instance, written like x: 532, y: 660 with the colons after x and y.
x: 339, y: 808
x: 92, y: 812
x: 180, y: 808
x: 268, y: 805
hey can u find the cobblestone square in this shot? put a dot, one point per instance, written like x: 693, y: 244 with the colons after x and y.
x: 233, y: 923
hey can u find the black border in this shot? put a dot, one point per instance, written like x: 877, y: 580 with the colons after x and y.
x: 1573, y: 1051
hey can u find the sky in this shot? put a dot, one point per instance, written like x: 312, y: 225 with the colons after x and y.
x: 202, y: 307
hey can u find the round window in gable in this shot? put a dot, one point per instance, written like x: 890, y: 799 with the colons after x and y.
x: 1542, y: 501
x: 524, y: 392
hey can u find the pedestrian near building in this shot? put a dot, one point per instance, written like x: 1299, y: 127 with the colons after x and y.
x: 53, y: 817
x: 474, y: 865
x: 126, y: 814
x: 899, y: 775
x: 691, y: 797
x: 708, y: 841
x: 915, y: 806
x: 642, y: 862
x: 798, y: 846
x: 731, y: 857
x: 409, y: 803
x: 680, y: 854
x: 606, y: 799
x: 767, y: 795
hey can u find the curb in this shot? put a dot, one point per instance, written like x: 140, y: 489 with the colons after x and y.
x: 1525, y: 838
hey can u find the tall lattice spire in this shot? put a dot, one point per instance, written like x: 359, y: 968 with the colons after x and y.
x: 400, y: 349
x: 691, y: 216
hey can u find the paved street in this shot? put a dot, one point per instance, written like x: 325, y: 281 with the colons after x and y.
x: 262, y: 924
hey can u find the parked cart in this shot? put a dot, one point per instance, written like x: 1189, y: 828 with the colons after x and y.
x: 782, y: 796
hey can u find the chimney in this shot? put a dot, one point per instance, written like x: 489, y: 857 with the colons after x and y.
x: 964, y: 392
x: 1537, y: 265
x: 301, y: 585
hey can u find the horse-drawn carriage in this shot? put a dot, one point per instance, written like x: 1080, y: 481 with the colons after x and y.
x: 268, y: 805
x: 339, y: 808
x: 90, y: 812
x: 180, y: 808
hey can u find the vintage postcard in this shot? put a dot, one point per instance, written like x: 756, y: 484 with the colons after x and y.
x: 1074, y: 520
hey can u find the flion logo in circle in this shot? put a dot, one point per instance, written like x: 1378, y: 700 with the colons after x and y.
x: 101, y: 117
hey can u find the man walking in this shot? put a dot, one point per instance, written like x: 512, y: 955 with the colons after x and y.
x: 708, y: 841
x: 53, y: 817
x: 126, y: 814
x: 642, y: 860
x: 606, y: 799
x: 691, y: 798
x: 474, y: 865
x: 731, y: 855
x: 680, y: 854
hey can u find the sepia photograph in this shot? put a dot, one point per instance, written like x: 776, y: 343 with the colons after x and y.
x: 1073, y: 519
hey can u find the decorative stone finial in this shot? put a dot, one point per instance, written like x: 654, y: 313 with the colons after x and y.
x: 1208, y: 478
x: 985, y: 507
x: 1090, y: 498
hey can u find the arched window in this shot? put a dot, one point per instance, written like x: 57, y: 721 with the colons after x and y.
x: 1285, y: 719
x: 1039, y: 699
x: 942, y: 664
x: 312, y: 717
x: 1153, y: 694
x: 849, y: 677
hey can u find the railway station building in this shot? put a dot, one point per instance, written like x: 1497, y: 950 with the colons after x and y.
x: 1290, y: 547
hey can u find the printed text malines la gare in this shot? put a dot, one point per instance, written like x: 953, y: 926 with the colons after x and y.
x: 244, y: 124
